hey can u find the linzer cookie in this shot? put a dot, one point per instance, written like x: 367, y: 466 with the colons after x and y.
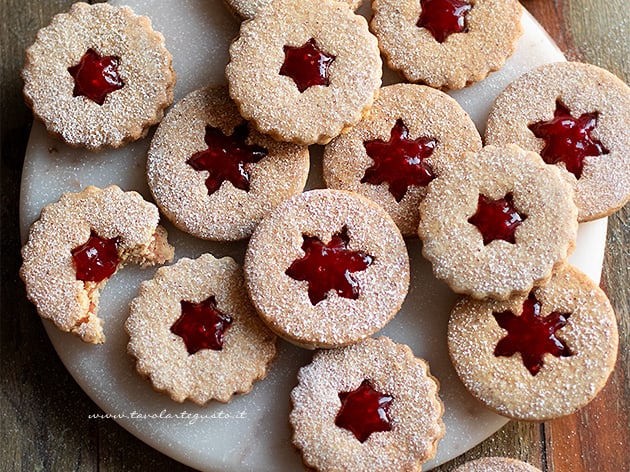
x: 78, y: 243
x: 369, y: 406
x: 496, y: 222
x: 212, y: 175
x: 576, y: 116
x: 496, y: 464
x: 538, y: 356
x: 248, y: 9
x: 447, y: 44
x: 98, y: 76
x: 304, y: 70
x: 194, y: 333
x: 327, y: 268
x: 391, y: 156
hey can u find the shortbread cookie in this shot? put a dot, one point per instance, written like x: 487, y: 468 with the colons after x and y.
x: 538, y: 356
x: 212, y: 175
x: 372, y: 406
x: 327, y: 268
x: 447, y: 44
x: 78, y: 243
x: 98, y: 76
x: 194, y: 333
x: 576, y: 116
x: 496, y: 464
x: 248, y: 9
x: 392, y: 155
x: 304, y: 70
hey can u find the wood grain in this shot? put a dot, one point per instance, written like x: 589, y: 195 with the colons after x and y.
x: 44, y: 413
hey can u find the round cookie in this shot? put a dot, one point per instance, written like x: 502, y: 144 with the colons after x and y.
x: 78, y: 243
x: 327, y: 268
x: 248, y: 9
x: 595, y: 102
x: 102, y: 44
x: 304, y: 70
x: 212, y: 175
x: 496, y: 464
x: 538, y: 356
x: 496, y: 222
x: 415, y: 41
x: 392, y: 154
x: 194, y: 333
x: 342, y: 385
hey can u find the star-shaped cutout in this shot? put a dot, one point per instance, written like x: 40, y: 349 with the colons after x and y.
x: 443, y: 17
x: 329, y: 267
x: 95, y: 76
x: 400, y: 161
x: 364, y: 411
x: 531, y: 334
x: 497, y: 219
x: 202, y: 325
x: 568, y: 139
x: 306, y: 65
x: 97, y: 259
x: 226, y: 158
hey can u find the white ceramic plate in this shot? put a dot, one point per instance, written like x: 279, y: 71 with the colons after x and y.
x: 251, y: 432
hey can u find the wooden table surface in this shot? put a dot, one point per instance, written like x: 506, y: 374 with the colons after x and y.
x: 44, y: 413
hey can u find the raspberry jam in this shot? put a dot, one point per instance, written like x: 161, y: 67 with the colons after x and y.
x: 364, y: 411
x: 443, y: 17
x: 226, y: 158
x: 531, y: 334
x: 497, y: 219
x: 306, y: 65
x: 96, y: 259
x: 568, y: 139
x: 329, y: 267
x: 202, y: 325
x: 399, y: 161
x: 95, y: 76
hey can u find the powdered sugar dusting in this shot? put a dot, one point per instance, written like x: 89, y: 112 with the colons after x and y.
x: 496, y: 464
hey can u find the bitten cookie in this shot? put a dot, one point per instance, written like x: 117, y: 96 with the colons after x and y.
x: 371, y: 406
x: 538, y: 356
x: 78, y: 243
x: 327, y: 268
x: 496, y: 222
x: 194, y: 333
x: 496, y: 464
x: 391, y: 156
x: 304, y: 70
x: 98, y: 76
x: 446, y: 44
x: 576, y: 116
x: 248, y: 9
x: 212, y: 175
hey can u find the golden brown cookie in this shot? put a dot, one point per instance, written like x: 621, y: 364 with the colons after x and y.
x: 576, y: 116
x: 248, y: 9
x: 212, y: 175
x: 392, y: 155
x: 98, y: 76
x: 78, y: 243
x: 496, y: 464
x: 327, y: 268
x: 446, y: 44
x: 538, y: 356
x: 497, y: 221
x: 304, y: 70
x: 371, y: 406
x: 194, y: 333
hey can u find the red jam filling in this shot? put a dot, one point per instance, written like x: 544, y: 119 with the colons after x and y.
x: 306, y: 65
x: 568, y: 139
x: 364, y: 411
x: 96, y: 259
x: 329, y: 267
x: 444, y: 17
x: 95, y: 76
x: 202, y: 325
x: 497, y: 219
x: 531, y: 335
x: 226, y: 158
x: 400, y: 161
